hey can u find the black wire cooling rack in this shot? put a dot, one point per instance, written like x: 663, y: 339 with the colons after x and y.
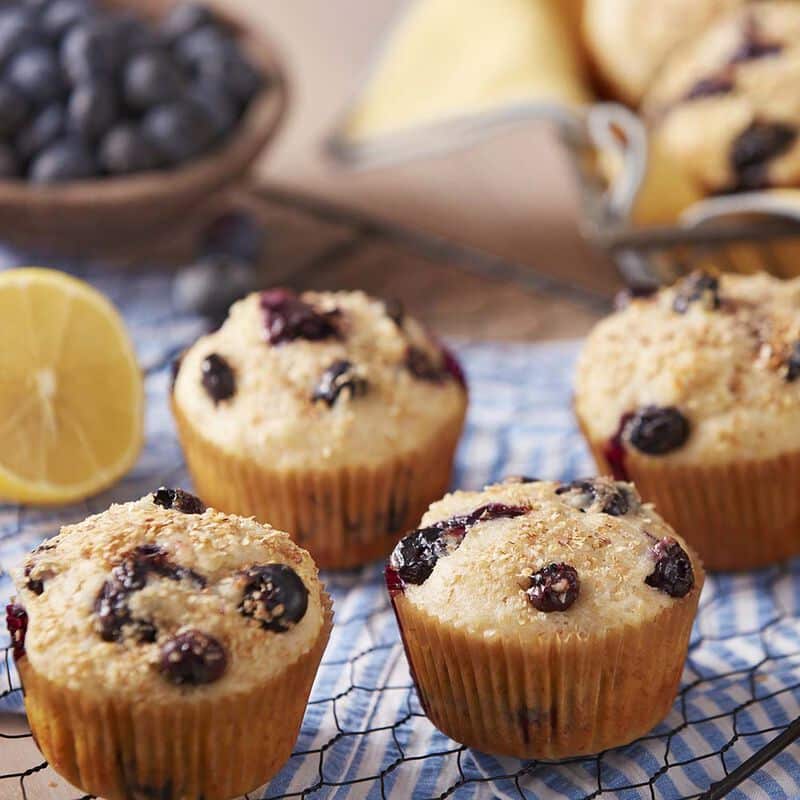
x: 366, y: 736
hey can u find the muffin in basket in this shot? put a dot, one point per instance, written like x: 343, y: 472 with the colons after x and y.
x: 545, y: 620
x: 331, y: 415
x: 725, y: 108
x: 693, y: 394
x: 627, y: 40
x: 167, y: 650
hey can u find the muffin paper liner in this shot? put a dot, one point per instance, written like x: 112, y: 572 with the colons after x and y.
x: 739, y: 515
x: 195, y: 747
x: 343, y: 517
x: 550, y: 697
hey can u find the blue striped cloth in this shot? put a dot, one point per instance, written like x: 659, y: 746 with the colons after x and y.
x: 364, y: 735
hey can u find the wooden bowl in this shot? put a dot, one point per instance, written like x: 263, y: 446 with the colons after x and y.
x: 104, y: 215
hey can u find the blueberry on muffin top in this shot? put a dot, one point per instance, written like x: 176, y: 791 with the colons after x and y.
x: 164, y: 593
x: 529, y: 558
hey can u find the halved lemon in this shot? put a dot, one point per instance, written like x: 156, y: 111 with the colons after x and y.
x: 71, y: 394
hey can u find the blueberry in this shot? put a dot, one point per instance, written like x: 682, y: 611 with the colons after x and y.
x: 92, y: 109
x: 753, y: 47
x: 65, y: 160
x: 657, y: 430
x: 17, y: 32
x: 113, y: 615
x: 417, y: 553
x: 218, y: 378
x: 597, y: 495
x: 232, y: 69
x: 338, y: 377
x: 42, y: 130
x: 149, y: 558
x: 179, y: 500
x: 14, y: 108
x: 793, y: 364
x: 274, y: 595
x: 216, y: 102
x: 422, y: 366
x: 124, y: 150
x: 34, y: 585
x: 554, y: 588
x: 185, y: 18
x: 201, y: 45
x: 60, y: 15
x: 673, y: 571
x: 697, y: 287
x: 112, y: 612
x: 287, y: 317
x: 625, y: 297
x: 90, y: 51
x: 17, y: 625
x: 210, y: 285
x: 133, y: 36
x: 754, y: 147
x: 9, y: 166
x: 519, y: 479
x: 149, y: 79
x: 236, y: 234
x: 192, y: 658
x: 35, y: 72
x: 710, y: 87
x: 178, y: 131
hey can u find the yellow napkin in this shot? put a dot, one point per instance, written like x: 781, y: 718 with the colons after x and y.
x: 458, y: 57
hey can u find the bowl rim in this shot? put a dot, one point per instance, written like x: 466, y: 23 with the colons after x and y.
x: 260, y: 121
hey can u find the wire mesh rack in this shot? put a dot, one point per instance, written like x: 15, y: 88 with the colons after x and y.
x: 365, y: 733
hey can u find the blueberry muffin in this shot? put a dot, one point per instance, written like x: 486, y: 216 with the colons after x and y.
x: 545, y: 620
x: 726, y: 107
x: 334, y: 416
x: 628, y: 40
x: 167, y: 650
x: 692, y: 393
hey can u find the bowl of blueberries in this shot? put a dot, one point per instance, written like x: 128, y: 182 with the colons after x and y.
x: 117, y: 118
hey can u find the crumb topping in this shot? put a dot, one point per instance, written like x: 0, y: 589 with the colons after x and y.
x: 561, y: 566
x: 158, y: 600
x: 693, y: 380
x: 338, y: 377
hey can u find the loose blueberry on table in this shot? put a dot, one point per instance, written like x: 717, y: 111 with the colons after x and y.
x: 225, y: 267
x: 87, y: 92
